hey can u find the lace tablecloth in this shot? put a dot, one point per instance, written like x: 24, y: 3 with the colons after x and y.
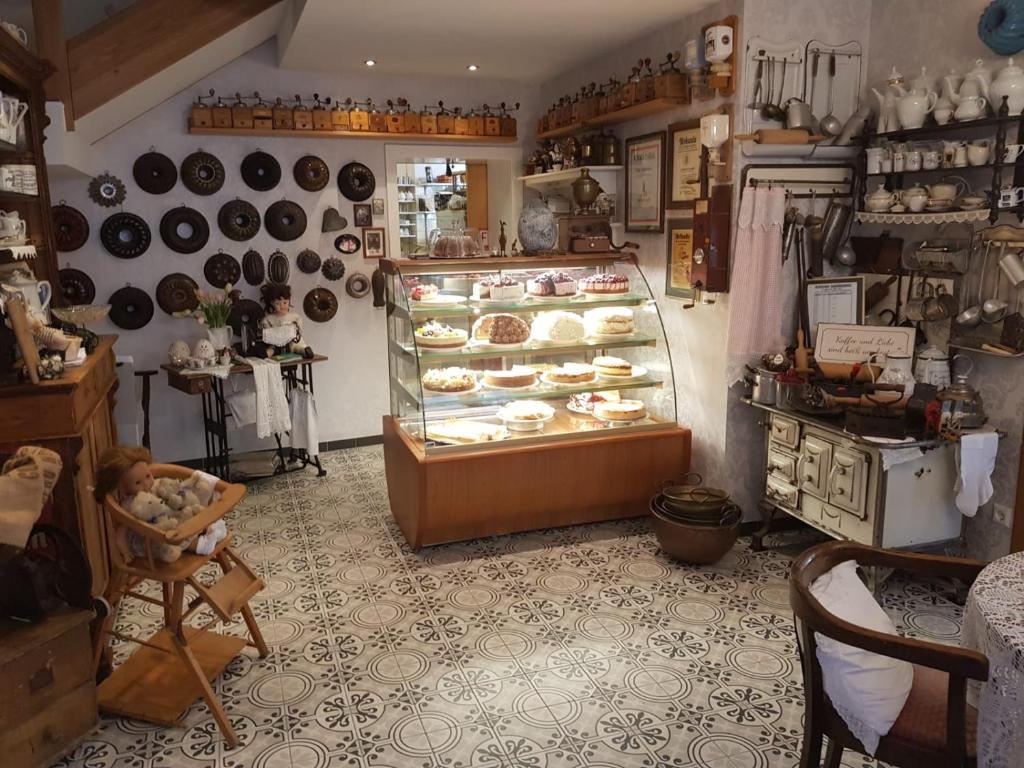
x: 994, y: 625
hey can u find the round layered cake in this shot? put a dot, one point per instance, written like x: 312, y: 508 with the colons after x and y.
x: 440, y: 336
x: 606, y: 365
x: 609, y: 321
x: 516, y: 377
x: 559, y: 326
x: 501, y: 329
x: 624, y: 410
x: 603, y: 284
x: 571, y: 373
x: 551, y: 285
x: 449, y: 380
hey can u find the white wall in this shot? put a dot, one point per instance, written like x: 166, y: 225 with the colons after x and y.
x: 352, y: 388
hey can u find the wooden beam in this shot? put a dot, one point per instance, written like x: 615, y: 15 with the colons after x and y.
x: 48, y: 16
x: 144, y: 39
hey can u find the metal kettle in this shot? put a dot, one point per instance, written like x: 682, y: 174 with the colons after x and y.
x: 966, y: 408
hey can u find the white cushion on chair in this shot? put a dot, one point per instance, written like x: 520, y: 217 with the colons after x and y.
x: 867, y: 690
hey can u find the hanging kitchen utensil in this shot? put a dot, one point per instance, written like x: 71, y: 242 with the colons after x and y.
x: 814, y: 78
x: 767, y: 109
x: 222, y: 269
x: 994, y: 309
x: 833, y: 229
x: 311, y: 173
x: 356, y: 182
x: 357, y: 285
x: 76, y: 287
x: 320, y: 304
x: 278, y: 268
x: 813, y: 226
x: 261, y: 171
x: 238, y: 219
x: 333, y: 268
x: 308, y: 261
x: 970, y: 317
x: 155, y: 173
x: 130, y: 308
x: 70, y: 227
x: 107, y: 190
x: 184, y: 230
x: 946, y: 299
x: 877, y: 292
x: 285, y: 220
x: 347, y: 244
x: 245, y: 312
x: 125, y: 235
x: 775, y: 109
x: 202, y: 173
x: 830, y: 124
x: 252, y: 267
x: 1012, y: 335
x: 176, y: 292
x: 333, y: 221
x: 758, y: 86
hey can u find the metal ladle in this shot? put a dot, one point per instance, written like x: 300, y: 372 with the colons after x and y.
x: 766, y: 107
x: 994, y: 309
x: 971, y: 316
x: 772, y: 110
x: 830, y: 124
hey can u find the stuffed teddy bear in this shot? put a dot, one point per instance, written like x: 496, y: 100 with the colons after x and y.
x: 176, y: 494
x: 151, y: 509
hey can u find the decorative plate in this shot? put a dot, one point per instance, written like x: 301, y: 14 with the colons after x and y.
x: 357, y: 285
x: 107, y: 190
x: 320, y: 304
x: 308, y: 261
x: 356, y: 182
x: 252, y: 268
x: 278, y: 269
x: 70, y: 227
x: 76, y: 286
x: 202, y: 173
x: 347, y: 244
x: 334, y: 268
x: 238, y: 219
x: 184, y: 230
x: 311, y: 173
x: 261, y: 171
x: 245, y: 312
x: 222, y: 269
x: 176, y: 292
x: 130, y: 308
x: 285, y: 220
x: 155, y: 173
x: 125, y: 235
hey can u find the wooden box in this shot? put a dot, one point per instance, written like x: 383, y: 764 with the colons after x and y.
x: 241, y: 116
x: 201, y: 117
x: 221, y: 116
x: 446, y: 123
x: 589, y: 107
x: 302, y: 118
x: 359, y: 119
x: 605, y: 103
x: 476, y: 125
x: 461, y: 125
x: 49, y: 701
x: 282, y: 117
x: 262, y: 117
x: 428, y: 123
x: 645, y: 89
x: 626, y: 96
x: 322, y: 120
x: 339, y: 119
x: 574, y: 111
x: 378, y: 122
x: 492, y: 125
x: 508, y: 125
x: 671, y: 85
x: 412, y: 122
x: 395, y: 122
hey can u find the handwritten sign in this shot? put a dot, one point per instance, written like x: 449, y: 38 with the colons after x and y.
x: 841, y: 343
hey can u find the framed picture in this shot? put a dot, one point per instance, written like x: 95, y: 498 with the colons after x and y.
x: 378, y: 206
x: 835, y: 300
x: 684, y: 160
x: 373, y: 243
x: 363, y: 214
x: 680, y: 259
x: 645, y: 183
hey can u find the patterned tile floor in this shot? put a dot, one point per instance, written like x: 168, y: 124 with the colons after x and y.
x: 571, y: 647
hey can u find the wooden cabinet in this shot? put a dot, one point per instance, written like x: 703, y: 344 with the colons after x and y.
x: 72, y: 416
x: 49, y: 696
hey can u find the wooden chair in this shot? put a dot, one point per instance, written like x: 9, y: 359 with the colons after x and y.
x: 936, y: 727
x: 175, y: 666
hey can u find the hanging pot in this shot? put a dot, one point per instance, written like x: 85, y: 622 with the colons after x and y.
x: 311, y: 173
x: 70, y: 227
x: 308, y: 261
x: 320, y: 304
x: 238, y: 220
x: 356, y: 182
x: 222, y: 269
x: 130, y: 308
x: 357, y: 285
x: 333, y: 268
x: 285, y: 220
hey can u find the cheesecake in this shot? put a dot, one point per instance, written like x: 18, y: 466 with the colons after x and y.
x: 440, y: 336
x: 605, y: 284
x: 606, y: 365
x: 571, y: 373
x: 624, y: 410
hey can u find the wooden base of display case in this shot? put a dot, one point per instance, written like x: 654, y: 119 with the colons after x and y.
x: 439, y: 499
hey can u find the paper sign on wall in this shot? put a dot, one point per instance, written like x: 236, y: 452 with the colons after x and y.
x: 840, y: 343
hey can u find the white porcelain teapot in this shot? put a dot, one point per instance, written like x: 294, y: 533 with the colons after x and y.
x: 880, y: 200
x: 913, y: 107
x: 1010, y: 83
x: 35, y: 293
x: 970, y: 108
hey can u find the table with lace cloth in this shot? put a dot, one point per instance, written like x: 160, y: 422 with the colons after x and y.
x: 994, y: 625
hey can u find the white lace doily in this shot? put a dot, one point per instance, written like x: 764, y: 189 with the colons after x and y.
x: 994, y: 625
x: 961, y: 217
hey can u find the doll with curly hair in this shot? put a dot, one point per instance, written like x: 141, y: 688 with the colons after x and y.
x: 277, y: 303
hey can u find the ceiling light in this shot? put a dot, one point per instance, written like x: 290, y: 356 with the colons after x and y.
x: 370, y: 63
x: 472, y: 67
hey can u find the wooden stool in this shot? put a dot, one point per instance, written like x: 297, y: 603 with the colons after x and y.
x: 175, y: 666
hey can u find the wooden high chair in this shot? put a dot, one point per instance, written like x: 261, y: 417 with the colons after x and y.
x: 175, y: 666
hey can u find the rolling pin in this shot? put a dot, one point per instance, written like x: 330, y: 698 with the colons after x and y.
x: 779, y: 136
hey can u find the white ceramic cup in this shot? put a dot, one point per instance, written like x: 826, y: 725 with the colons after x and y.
x: 932, y: 159
x: 914, y: 160
x: 978, y: 152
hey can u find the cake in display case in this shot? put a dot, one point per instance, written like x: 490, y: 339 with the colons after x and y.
x: 494, y: 356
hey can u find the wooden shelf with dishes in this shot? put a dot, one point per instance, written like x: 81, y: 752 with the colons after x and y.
x: 634, y: 112
x: 441, y: 138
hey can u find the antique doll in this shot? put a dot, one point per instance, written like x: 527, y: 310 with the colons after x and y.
x: 277, y: 303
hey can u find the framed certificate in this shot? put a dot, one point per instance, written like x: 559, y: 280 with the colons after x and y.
x: 834, y: 300
x: 645, y: 183
x: 684, y: 158
x: 680, y: 259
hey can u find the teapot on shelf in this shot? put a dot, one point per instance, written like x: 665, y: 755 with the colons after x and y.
x: 914, y: 105
x: 972, y: 93
x: 1009, y: 83
x: 36, y: 293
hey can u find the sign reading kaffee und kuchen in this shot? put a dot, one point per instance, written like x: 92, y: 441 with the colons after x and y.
x: 840, y: 343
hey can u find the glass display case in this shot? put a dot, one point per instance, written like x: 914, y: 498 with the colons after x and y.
x: 486, y: 353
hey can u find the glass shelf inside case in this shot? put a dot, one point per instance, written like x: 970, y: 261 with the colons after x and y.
x: 500, y: 352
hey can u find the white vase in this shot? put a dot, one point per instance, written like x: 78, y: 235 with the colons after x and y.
x: 219, y: 337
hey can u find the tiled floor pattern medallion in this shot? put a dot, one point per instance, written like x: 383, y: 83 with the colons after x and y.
x: 571, y: 647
